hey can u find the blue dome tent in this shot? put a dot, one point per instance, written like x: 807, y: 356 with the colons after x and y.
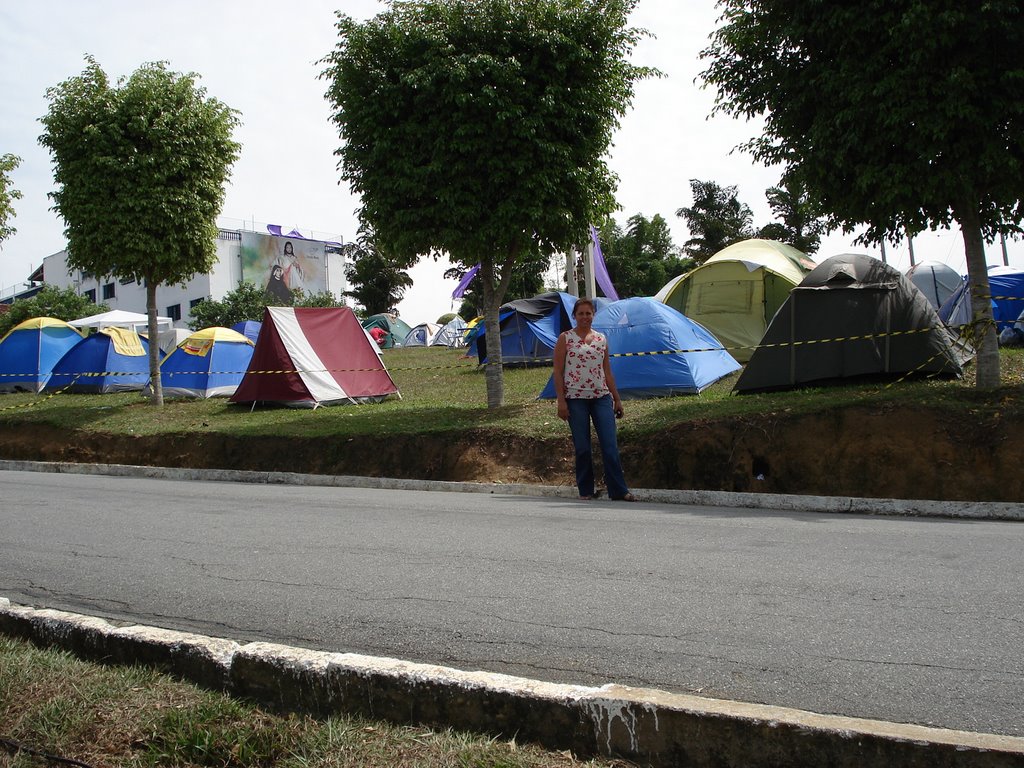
x: 209, y: 363
x: 686, y: 357
x: 110, y: 360
x: 30, y: 350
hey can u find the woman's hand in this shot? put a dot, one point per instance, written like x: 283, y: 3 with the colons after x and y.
x: 563, y: 409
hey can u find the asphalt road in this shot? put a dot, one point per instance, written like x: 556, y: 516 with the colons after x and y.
x: 905, y: 619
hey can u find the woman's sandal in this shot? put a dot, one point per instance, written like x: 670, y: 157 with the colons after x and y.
x: 627, y: 497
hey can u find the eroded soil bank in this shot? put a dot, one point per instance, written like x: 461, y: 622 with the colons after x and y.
x: 868, y: 452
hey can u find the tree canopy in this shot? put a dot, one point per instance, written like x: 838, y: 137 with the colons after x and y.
x: 377, y: 280
x: 716, y: 219
x: 479, y: 128
x: 642, y: 258
x: 61, y: 303
x: 7, y: 195
x: 896, y: 115
x: 140, y: 168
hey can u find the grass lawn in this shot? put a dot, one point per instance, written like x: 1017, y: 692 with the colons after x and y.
x: 442, y: 391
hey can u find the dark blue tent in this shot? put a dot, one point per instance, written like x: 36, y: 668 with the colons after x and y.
x: 656, y: 351
x: 1006, y: 286
x: 530, y: 328
x: 248, y: 328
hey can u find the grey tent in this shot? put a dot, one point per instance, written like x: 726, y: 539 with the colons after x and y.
x: 852, y: 316
x: 937, y: 281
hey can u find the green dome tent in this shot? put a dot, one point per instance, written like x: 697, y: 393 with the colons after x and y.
x: 735, y: 293
x: 396, y: 328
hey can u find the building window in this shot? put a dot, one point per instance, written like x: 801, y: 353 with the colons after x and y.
x: 174, y: 312
x: 195, y: 302
x: 108, y: 291
x: 90, y: 295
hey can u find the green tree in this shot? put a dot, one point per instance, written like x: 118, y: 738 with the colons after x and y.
x: 246, y: 302
x: 140, y: 168
x: 716, y: 219
x: 303, y: 298
x: 7, y: 195
x: 377, y: 280
x: 897, y: 115
x: 643, y: 258
x: 63, y: 304
x: 800, y: 222
x: 479, y: 128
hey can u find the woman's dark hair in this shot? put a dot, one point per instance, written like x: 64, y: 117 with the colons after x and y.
x: 581, y: 301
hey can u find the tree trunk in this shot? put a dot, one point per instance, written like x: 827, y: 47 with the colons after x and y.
x: 492, y: 302
x: 983, y: 329
x: 154, y: 345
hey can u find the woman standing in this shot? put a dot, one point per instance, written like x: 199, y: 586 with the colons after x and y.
x: 585, y: 390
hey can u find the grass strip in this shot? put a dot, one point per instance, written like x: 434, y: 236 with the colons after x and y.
x: 54, y: 704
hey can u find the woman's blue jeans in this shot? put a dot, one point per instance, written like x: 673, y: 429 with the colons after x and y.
x: 599, y: 410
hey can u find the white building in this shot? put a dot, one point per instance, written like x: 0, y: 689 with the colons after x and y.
x: 313, y: 265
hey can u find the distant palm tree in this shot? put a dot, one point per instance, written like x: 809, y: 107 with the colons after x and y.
x: 716, y: 219
x: 800, y: 222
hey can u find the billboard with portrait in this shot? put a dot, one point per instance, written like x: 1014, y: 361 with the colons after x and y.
x: 280, y: 265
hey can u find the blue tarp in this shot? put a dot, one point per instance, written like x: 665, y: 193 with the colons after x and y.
x: 689, y: 358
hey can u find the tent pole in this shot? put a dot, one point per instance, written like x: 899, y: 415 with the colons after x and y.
x: 792, y: 339
x: 572, y: 285
x: 588, y: 271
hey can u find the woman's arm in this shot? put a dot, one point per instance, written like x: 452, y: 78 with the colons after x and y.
x: 609, y: 379
x: 558, y: 377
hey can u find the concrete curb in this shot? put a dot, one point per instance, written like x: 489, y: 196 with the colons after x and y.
x: 649, y: 726
x: 976, y: 510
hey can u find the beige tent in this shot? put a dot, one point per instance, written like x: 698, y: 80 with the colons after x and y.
x: 736, y: 292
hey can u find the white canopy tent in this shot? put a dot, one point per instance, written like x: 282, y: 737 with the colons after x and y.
x: 119, y: 318
x: 167, y: 335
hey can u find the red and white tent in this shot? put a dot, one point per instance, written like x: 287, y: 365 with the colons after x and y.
x: 310, y: 356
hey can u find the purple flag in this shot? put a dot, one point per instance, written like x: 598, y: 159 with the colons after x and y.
x: 274, y: 229
x: 600, y: 270
x: 460, y: 289
x: 297, y: 235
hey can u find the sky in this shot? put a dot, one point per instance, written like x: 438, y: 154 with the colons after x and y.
x: 260, y: 57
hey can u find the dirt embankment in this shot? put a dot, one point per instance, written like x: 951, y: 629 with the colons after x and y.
x: 867, y: 452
